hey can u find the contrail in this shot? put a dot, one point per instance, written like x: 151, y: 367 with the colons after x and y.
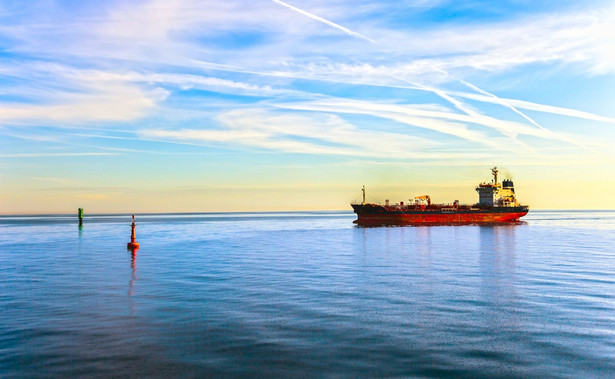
x: 528, y: 118
x: 442, y: 94
x: 487, y: 98
x: 446, y: 95
x: 539, y: 107
x: 325, y: 21
x: 504, y: 103
x: 499, y: 100
x: 457, y: 104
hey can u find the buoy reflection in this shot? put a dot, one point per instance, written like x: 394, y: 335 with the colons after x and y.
x: 133, y: 265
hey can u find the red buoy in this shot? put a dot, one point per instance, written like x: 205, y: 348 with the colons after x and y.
x: 133, y: 244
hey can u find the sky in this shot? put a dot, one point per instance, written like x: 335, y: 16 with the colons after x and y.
x: 276, y: 105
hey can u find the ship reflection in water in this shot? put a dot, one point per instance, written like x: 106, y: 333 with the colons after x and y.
x: 428, y: 224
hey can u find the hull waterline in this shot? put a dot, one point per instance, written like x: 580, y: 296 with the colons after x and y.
x: 373, y: 217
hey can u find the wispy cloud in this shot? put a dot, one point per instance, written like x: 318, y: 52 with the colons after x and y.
x: 123, y: 104
x: 439, y: 120
x: 164, y: 61
x: 308, y: 134
x: 367, y: 75
x: 51, y: 155
x: 440, y: 93
x: 544, y: 108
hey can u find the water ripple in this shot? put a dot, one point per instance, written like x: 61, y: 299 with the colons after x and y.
x: 306, y: 294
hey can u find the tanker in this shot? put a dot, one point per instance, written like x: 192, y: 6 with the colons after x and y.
x: 496, y: 204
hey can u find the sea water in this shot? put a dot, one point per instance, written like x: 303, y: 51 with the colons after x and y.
x: 306, y: 294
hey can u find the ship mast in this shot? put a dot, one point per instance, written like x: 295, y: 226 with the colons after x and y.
x: 363, y: 189
x: 495, y: 175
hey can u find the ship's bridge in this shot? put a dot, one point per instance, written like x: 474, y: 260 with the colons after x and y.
x: 496, y: 194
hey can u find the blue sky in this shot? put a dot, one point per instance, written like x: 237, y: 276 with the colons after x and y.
x: 125, y: 106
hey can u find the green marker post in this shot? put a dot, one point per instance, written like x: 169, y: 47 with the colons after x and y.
x: 80, y: 216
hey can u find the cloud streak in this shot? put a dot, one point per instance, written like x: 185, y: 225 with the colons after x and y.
x: 445, y: 122
x: 53, y: 155
x: 172, y: 63
x: 314, y: 134
x: 326, y: 22
x: 568, y: 112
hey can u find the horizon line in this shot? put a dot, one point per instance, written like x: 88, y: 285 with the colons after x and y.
x: 94, y: 214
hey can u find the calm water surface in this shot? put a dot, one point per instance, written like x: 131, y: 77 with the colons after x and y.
x: 305, y: 295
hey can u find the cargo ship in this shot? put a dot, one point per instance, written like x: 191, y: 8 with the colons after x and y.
x: 496, y: 204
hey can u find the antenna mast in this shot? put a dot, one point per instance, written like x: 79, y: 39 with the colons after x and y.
x: 495, y: 175
x: 363, y: 195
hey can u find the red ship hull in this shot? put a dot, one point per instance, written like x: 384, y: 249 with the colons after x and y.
x: 371, y: 214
